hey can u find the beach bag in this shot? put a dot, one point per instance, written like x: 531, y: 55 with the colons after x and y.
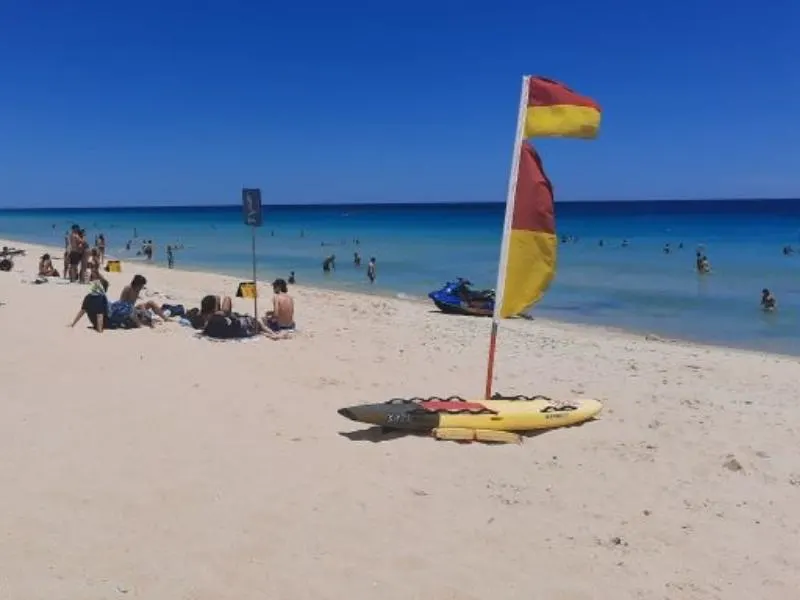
x: 175, y: 310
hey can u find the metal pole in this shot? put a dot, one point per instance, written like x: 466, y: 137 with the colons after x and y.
x: 255, y: 281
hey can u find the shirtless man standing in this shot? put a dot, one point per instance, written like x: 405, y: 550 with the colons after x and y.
x: 75, y: 252
x: 281, y: 317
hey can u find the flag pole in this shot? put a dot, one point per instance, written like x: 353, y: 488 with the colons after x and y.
x: 510, y: 198
x: 255, y: 280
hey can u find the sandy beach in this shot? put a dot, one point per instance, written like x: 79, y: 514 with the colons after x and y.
x: 151, y: 464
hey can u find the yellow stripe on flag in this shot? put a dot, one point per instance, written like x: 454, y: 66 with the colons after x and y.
x: 531, y: 249
x: 530, y: 270
x: 562, y: 120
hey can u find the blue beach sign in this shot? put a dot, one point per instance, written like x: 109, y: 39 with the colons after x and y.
x: 251, y: 207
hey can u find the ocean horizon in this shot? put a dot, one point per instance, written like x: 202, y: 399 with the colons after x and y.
x: 650, y: 205
x: 418, y: 247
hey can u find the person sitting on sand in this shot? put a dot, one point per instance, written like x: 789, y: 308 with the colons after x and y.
x: 46, y: 268
x: 127, y: 311
x: 768, y: 301
x: 95, y: 307
x: 281, y: 317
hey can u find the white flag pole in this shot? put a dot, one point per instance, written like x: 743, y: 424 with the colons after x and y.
x: 510, y: 198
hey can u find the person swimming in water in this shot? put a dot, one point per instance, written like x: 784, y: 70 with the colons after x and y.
x: 768, y: 301
x: 701, y: 263
x: 329, y: 264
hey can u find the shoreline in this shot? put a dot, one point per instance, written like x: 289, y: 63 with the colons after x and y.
x: 507, y: 324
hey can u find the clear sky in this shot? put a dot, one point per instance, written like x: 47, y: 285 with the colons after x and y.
x: 184, y: 102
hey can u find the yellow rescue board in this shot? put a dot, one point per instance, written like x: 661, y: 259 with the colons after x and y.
x: 516, y: 415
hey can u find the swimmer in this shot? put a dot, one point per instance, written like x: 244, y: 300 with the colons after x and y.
x: 768, y: 302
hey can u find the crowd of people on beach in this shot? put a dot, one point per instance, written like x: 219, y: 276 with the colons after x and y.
x: 215, y: 317
x: 82, y: 261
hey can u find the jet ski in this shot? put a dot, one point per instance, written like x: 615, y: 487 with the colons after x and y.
x: 458, y: 298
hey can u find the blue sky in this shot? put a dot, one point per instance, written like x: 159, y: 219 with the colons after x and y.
x: 178, y: 102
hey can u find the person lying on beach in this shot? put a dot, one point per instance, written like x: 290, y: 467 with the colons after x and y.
x: 210, y: 305
x: 281, y: 317
x: 232, y: 326
x: 217, y: 320
x: 6, y: 252
x: 46, y: 268
x: 95, y: 307
x: 126, y: 311
x: 768, y: 301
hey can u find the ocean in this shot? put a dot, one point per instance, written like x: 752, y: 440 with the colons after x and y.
x: 418, y: 247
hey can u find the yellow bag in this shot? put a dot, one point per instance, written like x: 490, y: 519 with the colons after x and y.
x: 246, y: 289
x: 114, y: 266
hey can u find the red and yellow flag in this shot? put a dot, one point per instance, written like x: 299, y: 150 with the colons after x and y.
x: 554, y: 110
x: 532, y: 243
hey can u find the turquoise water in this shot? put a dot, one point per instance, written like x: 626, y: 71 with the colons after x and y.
x: 418, y: 247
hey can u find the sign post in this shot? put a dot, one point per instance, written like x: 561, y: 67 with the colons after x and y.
x: 253, y: 216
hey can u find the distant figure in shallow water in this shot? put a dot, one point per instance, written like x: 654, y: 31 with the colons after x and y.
x: 701, y: 263
x: 291, y: 278
x: 371, y: 270
x: 329, y: 264
x: 768, y: 301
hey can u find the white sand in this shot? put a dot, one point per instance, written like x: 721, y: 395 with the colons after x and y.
x: 149, y: 464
